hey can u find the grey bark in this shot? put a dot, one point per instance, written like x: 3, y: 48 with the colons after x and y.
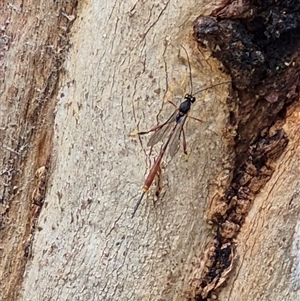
x: 126, y: 60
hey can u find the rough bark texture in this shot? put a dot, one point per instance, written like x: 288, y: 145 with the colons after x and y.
x: 254, y: 40
x: 32, y: 46
x: 126, y: 60
x: 66, y: 149
x: 267, y: 259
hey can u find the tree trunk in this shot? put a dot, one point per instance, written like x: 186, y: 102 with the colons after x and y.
x: 267, y: 254
x: 66, y: 140
x: 32, y: 47
x: 126, y: 60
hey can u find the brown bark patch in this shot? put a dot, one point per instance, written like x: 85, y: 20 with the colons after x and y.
x: 33, y: 43
x: 257, y: 42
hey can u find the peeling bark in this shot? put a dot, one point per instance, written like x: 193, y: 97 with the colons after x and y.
x: 254, y: 40
x: 33, y: 43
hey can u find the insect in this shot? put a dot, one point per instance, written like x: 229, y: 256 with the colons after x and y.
x: 174, y: 127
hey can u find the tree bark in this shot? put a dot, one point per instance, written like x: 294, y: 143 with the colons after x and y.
x: 33, y: 41
x: 126, y: 60
x: 85, y: 171
x: 267, y: 255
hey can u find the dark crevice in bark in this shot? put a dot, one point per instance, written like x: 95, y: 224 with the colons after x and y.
x: 258, y: 45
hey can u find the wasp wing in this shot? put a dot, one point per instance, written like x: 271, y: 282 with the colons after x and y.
x: 162, y: 132
x: 174, y: 143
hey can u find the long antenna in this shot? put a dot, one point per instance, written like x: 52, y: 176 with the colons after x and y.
x: 191, y: 82
x: 218, y: 84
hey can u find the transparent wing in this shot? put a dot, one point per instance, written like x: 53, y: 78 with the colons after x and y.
x: 174, y: 143
x: 162, y: 132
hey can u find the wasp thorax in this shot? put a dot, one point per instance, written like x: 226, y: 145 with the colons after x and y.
x: 185, y: 106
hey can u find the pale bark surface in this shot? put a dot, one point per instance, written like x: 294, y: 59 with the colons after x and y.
x: 123, y: 62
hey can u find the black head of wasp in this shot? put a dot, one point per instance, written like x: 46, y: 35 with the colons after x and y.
x: 173, y: 128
